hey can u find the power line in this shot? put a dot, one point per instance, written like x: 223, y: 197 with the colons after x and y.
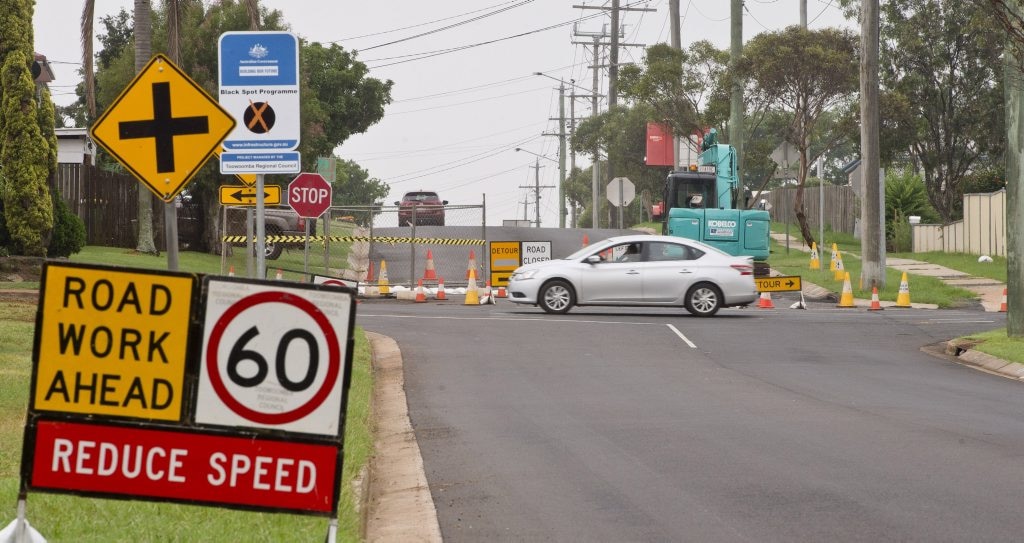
x: 420, y: 24
x: 429, y: 54
x: 449, y: 27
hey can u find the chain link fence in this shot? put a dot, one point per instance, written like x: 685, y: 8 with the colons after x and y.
x: 373, y: 239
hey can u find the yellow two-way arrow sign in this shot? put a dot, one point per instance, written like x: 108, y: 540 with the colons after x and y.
x: 235, y: 195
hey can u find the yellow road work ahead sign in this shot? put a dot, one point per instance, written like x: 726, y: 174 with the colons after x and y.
x: 112, y: 341
x: 163, y: 127
x: 235, y: 195
x: 782, y: 283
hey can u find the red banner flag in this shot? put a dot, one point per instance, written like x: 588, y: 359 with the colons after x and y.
x: 659, y: 145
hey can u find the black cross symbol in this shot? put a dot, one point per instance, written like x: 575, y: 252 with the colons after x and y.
x: 163, y: 127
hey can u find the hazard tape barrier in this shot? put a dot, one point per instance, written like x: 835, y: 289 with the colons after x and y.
x: 378, y: 239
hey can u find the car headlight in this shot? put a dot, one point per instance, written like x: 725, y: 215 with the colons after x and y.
x: 528, y: 274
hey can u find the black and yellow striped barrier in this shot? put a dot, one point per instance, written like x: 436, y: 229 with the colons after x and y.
x: 382, y: 239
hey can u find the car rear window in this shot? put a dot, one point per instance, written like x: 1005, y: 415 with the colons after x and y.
x: 420, y: 196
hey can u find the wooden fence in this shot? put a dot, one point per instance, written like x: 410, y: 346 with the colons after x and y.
x: 841, y: 207
x: 108, y: 204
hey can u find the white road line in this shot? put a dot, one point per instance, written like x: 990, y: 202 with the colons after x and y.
x: 681, y: 336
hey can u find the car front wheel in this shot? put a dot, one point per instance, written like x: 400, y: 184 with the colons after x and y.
x: 703, y: 300
x: 556, y: 297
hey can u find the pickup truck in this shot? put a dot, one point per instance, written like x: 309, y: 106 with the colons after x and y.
x: 280, y: 221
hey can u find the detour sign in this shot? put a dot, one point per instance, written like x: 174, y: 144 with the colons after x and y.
x: 112, y: 342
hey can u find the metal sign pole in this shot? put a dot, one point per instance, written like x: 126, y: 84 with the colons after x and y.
x: 261, y: 230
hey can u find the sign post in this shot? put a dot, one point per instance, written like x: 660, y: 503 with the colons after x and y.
x: 621, y: 192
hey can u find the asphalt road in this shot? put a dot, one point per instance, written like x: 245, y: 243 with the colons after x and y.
x: 757, y: 425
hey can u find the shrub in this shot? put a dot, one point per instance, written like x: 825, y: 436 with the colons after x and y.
x: 68, y: 236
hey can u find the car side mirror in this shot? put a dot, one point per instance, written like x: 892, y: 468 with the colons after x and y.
x: 594, y: 259
x: 398, y: 203
x: 444, y: 202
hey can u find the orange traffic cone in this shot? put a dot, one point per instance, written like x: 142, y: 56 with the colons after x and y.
x: 440, y: 290
x: 875, y: 304
x: 471, y: 268
x: 429, y: 273
x: 1002, y: 306
x: 766, y: 301
x: 501, y: 292
x: 369, y: 273
x: 231, y: 271
x: 489, y: 294
x: 421, y: 296
x: 279, y: 275
x: 586, y: 240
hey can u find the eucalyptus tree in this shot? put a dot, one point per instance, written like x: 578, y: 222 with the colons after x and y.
x: 806, y: 73
x: 942, y: 58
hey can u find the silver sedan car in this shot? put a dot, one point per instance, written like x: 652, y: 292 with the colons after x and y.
x: 640, y: 270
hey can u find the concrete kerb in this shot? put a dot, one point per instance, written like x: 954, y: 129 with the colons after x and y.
x: 398, y: 503
x: 965, y: 355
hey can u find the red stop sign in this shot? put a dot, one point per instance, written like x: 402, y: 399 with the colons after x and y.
x: 309, y: 194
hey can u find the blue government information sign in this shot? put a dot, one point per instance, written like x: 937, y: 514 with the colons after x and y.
x: 259, y: 87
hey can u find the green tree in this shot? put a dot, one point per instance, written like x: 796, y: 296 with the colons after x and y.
x: 943, y: 58
x: 807, y: 73
x: 24, y: 155
x: 353, y: 186
x: 623, y: 133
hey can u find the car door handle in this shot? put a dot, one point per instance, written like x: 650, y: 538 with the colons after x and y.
x: 632, y: 272
x: 685, y: 271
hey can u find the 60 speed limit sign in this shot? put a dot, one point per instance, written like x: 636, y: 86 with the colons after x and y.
x: 275, y: 356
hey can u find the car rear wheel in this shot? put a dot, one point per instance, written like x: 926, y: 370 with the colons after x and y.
x: 272, y: 249
x: 703, y: 300
x: 556, y: 297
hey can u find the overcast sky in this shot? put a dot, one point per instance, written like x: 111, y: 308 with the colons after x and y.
x: 457, y: 117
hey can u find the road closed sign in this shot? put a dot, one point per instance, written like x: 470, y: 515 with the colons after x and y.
x: 112, y: 342
x: 274, y: 356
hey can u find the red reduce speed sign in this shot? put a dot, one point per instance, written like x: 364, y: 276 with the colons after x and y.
x: 309, y: 194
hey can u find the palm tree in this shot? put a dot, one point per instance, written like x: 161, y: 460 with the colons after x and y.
x: 143, y: 30
x: 88, y: 75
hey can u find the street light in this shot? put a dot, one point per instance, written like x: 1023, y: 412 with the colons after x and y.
x: 561, y: 148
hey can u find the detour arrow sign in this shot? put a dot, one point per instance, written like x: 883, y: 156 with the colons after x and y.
x: 781, y: 283
x: 236, y: 195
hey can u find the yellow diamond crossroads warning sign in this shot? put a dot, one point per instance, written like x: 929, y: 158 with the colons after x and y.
x: 163, y: 127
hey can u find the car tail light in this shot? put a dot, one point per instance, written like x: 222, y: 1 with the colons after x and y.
x: 744, y: 269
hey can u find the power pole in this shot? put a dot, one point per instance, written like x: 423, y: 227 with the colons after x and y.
x: 872, y: 242
x: 803, y: 14
x: 736, y: 102
x: 677, y: 44
x: 1013, y: 97
x: 613, y: 76
x: 536, y: 191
